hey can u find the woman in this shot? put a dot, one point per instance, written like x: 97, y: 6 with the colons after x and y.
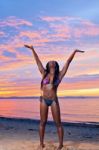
x: 51, y: 78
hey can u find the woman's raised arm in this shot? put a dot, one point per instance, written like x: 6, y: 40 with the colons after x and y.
x: 39, y: 64
x: 65, y: 67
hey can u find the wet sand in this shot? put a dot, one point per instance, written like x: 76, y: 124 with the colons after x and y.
x: 22, y: 134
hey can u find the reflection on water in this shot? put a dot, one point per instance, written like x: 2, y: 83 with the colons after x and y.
x: 72, y: 109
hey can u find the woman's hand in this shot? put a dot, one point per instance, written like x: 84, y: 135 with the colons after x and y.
x: 29, y: 46
x: 77, y: 50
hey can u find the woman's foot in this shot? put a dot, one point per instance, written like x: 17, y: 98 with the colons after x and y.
x: 42, y: 146
x: 60, y: 147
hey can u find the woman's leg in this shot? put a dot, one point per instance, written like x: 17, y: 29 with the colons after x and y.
x: 43, y: 121
x: 55, y: 108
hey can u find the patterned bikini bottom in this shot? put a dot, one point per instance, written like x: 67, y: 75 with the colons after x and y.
x: 48, y: 101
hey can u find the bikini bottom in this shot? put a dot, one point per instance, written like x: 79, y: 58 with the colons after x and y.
x: 47, y: 101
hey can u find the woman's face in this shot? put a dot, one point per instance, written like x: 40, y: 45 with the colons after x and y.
x: 52, y: 64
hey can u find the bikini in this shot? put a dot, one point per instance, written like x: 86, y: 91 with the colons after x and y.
x: 46, y: 100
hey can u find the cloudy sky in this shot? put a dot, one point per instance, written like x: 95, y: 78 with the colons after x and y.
x: 55, y: 28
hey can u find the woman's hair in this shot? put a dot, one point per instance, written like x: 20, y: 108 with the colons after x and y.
x: 48, y: 70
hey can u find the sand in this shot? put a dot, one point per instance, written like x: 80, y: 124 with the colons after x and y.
x: 22, y: 134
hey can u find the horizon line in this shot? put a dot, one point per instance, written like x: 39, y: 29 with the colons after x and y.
x: 57, y: 96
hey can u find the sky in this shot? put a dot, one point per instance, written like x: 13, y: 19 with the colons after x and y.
x: 55, y: 28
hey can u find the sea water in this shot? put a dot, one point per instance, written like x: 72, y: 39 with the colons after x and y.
x: 72, y: 109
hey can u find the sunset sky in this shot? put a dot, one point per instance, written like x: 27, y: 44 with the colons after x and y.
x: 55, y: 28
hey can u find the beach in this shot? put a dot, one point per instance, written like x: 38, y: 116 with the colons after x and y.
x: 22, y: 134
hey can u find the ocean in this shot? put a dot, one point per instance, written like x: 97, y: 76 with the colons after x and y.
x: 72, y: 109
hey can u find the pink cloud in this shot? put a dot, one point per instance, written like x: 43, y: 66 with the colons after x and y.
x: 80, y: 85
x: 59, y: 19
x: 3, y: 58
x: 62, y: 31
x: 87, y: 30
x: 30, y: 34
x: 39, y: 38
x: 14, y: 22
x: 15, y: 64
x: 52, y: 19
x: 2, y: 33
x: 64, y: 26
x: 7, y: 47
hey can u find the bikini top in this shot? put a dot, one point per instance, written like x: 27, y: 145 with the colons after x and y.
x: 47, y: 81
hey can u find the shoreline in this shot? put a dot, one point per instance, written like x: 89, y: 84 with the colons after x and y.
x: 51, y: 122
